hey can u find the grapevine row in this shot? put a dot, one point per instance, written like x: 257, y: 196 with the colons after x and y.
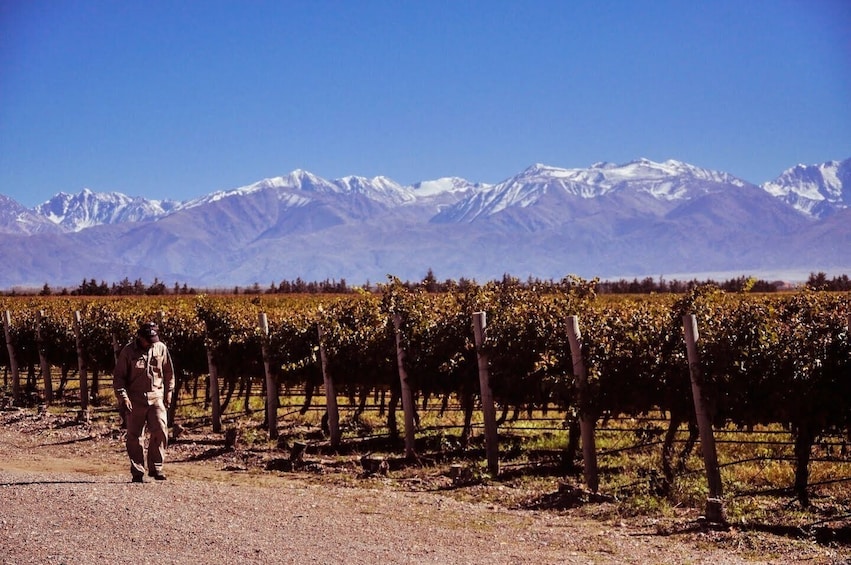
x: 766, y: 359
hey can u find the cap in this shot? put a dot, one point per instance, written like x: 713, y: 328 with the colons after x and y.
x: 148, y: 330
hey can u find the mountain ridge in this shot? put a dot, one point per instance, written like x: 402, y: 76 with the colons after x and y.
x: 805, y: 187
x: 640, y: 217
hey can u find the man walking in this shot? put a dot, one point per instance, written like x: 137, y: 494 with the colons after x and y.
x: 144, y: 382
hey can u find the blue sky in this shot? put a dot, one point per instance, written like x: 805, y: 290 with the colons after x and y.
x: 178, y: 99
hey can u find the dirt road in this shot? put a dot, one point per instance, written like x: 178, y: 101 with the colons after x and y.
x: 65, y: 497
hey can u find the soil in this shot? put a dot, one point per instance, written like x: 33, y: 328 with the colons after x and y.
x: 66, y: 497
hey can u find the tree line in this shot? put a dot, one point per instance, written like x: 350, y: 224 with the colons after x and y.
x: 430, y: 283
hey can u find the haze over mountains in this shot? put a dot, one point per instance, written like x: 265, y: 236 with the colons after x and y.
x: 632, y: 220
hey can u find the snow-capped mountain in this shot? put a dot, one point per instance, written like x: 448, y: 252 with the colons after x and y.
x: 816, y: 190
x: 381, y: 189
x: 640, y: 218
x: 446, y: 185
x: 75, y: 212
x: 15, y: 218
x: 668, y: 181
x: 303, y: 184
x: 436, y: 195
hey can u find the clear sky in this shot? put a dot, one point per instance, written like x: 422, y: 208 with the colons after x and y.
x: 178, y: 99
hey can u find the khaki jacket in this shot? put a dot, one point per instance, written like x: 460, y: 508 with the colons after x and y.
x: 144, y: 375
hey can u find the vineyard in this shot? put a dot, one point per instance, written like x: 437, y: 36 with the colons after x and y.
x: 773, y: 371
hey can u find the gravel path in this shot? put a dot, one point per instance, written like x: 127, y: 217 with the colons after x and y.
x: 79, y: 518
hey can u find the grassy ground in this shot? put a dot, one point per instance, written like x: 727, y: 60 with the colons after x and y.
x: 756, y: 469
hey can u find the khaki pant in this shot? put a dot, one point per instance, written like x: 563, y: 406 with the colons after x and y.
x: 153, y: 416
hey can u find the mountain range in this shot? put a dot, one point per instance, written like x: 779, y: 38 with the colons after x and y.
x: 641, y: 218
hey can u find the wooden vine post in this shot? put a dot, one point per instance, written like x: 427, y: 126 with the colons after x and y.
x: 407, y: 395
x: 214, y: 392
x: 330, y: 395
x: 587, y: 422
x: 42, y: 358
x: 714, y: 503
x: 13, y: 360
x: 122, y: 410
x: 488, y: 409
x: 81, y: 365
x: 116, y: 347
x: 271, y: 385
x: 215, y: 401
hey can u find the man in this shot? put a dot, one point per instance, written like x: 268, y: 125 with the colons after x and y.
x: 144, y: 383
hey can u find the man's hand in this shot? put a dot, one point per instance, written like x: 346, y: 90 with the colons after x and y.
x: 128, y: 404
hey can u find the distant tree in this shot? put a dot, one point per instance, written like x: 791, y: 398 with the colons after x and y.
x: 677, y: 286
x: 763, y: 286
x: 465, y: 284
x: 138, y: 287
x: 509, y: 280
x: 817, y: 281
x: 91, y: 288
x: 740, y: 284
x: 45, y: 290
x: 842, y: 283
x: 123, y: 288
x: 81, y: 290
x: 157, y: 288
x: 429, y: 283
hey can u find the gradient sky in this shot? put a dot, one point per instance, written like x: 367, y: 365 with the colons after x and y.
x: 178, y: 99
